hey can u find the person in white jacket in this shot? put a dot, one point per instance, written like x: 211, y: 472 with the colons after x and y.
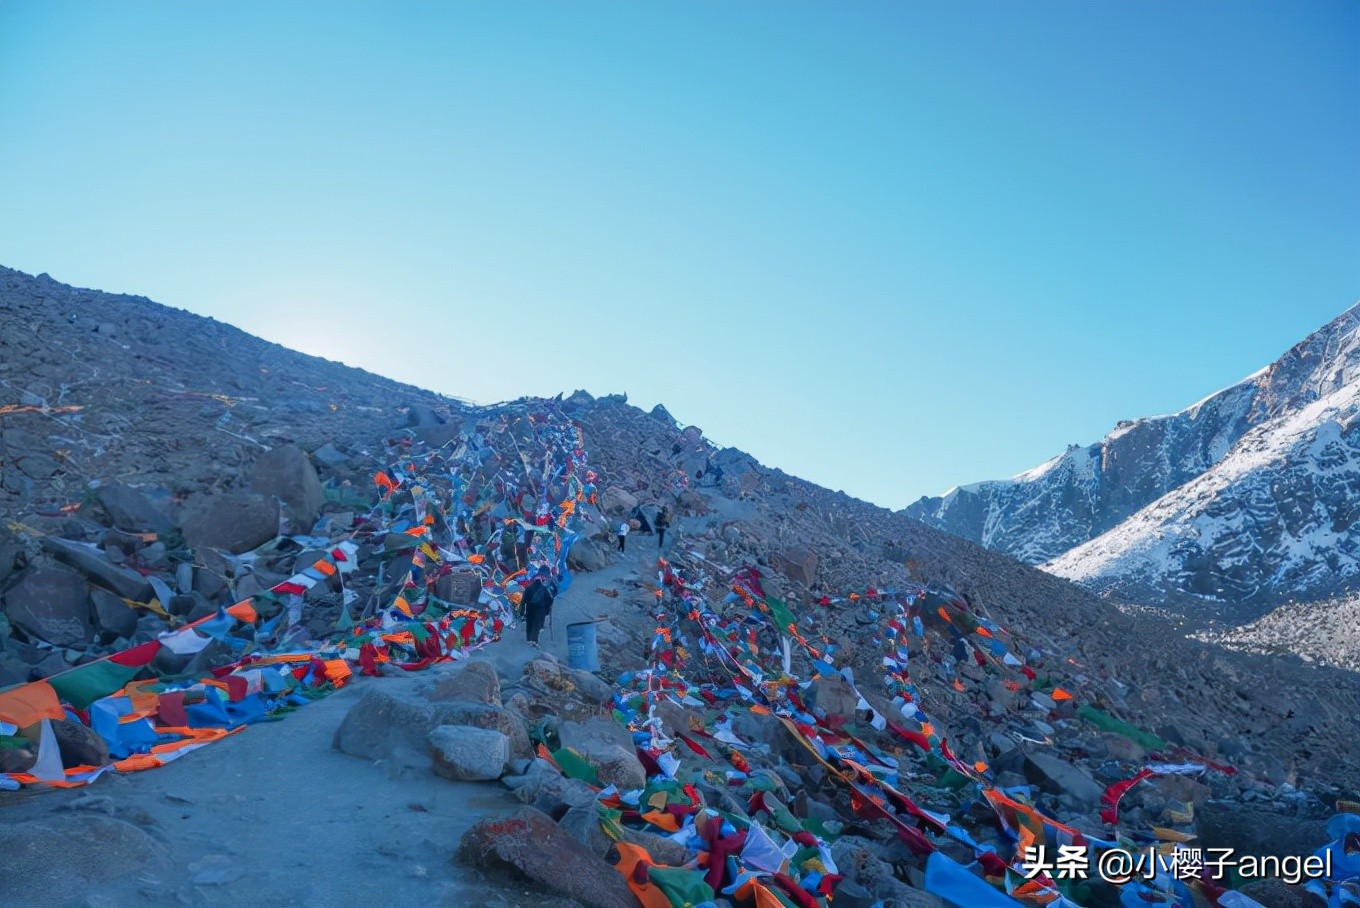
x: 623, y: 535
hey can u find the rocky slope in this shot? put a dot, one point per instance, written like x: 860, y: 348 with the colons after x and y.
x: 1327, y: 633
x: 177, y: 450
x: 1244, y: 498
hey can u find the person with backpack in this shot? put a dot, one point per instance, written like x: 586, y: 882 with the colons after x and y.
x: 663, y: 520
x: 538, y: 602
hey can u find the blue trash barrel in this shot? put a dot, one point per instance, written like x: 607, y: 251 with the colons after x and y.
x: 581, y: 649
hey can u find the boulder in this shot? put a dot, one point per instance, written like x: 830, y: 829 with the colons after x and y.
x: 468, y: 754
x: 92, y: 849
x: 234, y: 521
x: 482, y: 715
x: 519, y: 846
x: 286, y: 473
x: 799, y: 564
x: 211, y: 575
x: 18, y: 759
x: 79, y: 744
x: 330, y: 457
x: 393, y: 723
x: 608, y: 747
x: 832, y: 696
x: 476, y: 682
x: 129, y: 509
x: 51, y: 664
x: 1255, y: 831
x: 11, y: 547
x: 616, y: 501
x: 90, y: 561
x: 590, y: 688
x: 440, y: 435
x: 1059, y: 777
x: 388, y: 723
x: 588, y: 555
x: 551, y: 792
x: 461, y: 588
x: 114, y: 617
x: 693, y: 503
x: 663, y: 850
x: 52, y: 604
x: 583, y: 825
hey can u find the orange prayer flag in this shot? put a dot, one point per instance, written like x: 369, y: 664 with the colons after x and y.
x: 29, y: 704
x: 337, y: 671
x: 660, y: 818
x: 243, y: 611
x: 137, y: 763
x: 1060, y: 694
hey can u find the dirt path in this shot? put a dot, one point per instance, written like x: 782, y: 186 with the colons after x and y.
x: 274, y: 816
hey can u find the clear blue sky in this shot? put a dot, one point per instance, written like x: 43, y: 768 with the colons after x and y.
x: 890, y: 247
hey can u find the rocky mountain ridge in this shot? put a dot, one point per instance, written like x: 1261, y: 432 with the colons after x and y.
x: 170, y: 463
x: 1241, y: 501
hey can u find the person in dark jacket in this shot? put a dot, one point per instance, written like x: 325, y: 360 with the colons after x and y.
x: 663, y: 520
x: 538, y: 602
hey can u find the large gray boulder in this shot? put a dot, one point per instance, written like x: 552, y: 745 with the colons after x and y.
x: 616, y: 501
x: 287, y: 473
x: 798, y: 564
x: 52, y: 604
x: 113, y: 616
x: 529, y: 845
x: 832, y: 696
x: 129, y: 509
x: 467, y: 754
x: 392, y: 723
x: 90, y: 561
x: 608, y: 747
x: 475, y: 682
x: 234, y: 521
x: 79, y: 744
x: 588, y: 555
x: 1059, y: 777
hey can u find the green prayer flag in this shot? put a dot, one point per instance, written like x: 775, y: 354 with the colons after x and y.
x: 684, y: 888
x: 575, y: 766
x: 82, y: 686
x: 780, y: 614
x: 1106, y: 722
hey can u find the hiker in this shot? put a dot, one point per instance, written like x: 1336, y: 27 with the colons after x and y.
x: 663, y: 520
x: 623, y: 535
x: 538, y: 602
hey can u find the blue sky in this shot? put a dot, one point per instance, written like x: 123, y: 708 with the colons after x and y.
x: 890, y: 247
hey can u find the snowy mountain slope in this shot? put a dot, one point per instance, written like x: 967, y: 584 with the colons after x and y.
x: 1085, y: 492
x: 1274, y: 519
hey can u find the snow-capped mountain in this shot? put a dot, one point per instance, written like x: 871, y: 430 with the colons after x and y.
x: 1249, y: 496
